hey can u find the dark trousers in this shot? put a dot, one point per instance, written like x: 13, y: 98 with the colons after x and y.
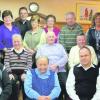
x: 17, y: 84
x: 62, y: 76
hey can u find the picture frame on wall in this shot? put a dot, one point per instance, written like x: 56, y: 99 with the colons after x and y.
x: 85, y: 12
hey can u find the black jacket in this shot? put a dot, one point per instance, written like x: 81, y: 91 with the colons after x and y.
x: 5, y: 84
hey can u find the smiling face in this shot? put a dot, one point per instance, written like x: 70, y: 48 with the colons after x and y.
x: 23, y: 14
x: 51, y: 38
x: 81, y: 41
x: 17, y: 42
x: 42, y: 64
x: 7, y: 19
x: 97, y: 21
x: 70, y: 19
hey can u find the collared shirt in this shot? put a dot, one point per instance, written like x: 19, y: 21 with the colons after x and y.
x: 34, y: 94
x: 6, y: 36
x: 56, y: 55
x: 34, y: 41
x: 70, y: 84
x: 74, y: 56
x: 68, y: 35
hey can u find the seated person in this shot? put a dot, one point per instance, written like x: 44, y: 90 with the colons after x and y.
x: 74, y: 52
x: 5, y: 84
x: 17, y: 61
x: 83, y: 81
x: 41, y: 83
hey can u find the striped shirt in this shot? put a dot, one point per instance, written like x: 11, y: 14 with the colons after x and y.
x: 17, y: 61
x: 68, y: 36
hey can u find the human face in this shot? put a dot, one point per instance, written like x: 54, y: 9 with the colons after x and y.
x: 17, y: 43
x: 81, y: 41
x: 34, y: 24
x: 42, y: 65
x: 7, y: 19
x: 51, y: 38
x: 97, y: 21
x: 85, y: 57
x: 23, y: 14
x: 50, y: 22
x: 70, y: 20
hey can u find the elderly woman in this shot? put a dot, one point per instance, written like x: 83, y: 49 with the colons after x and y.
x: 6, y: 31
x: 57, y: 59
x: 41, y: 83
x: 17, y: 61
x: 50, y: 26
x: 93, y: 34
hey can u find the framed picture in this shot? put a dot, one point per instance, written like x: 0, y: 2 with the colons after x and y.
x: 85, y: 12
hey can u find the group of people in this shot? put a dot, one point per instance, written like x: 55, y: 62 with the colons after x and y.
x: 37, y: 59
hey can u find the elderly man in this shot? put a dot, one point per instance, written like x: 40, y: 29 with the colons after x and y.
x: 84, y: 78
x: 41, y: 83
x: 69, y: 32
x: 57, y: 59
x: 17, y: 62
x: 74, y: 52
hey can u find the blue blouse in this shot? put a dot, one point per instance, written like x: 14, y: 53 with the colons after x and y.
x: 6, y: 36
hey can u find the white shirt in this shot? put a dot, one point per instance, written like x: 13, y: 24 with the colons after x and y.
x: 70, y: 85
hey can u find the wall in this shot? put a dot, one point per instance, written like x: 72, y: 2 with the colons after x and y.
x: 56, y: 7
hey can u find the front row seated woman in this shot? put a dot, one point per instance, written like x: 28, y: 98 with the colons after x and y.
x: 42, y: 83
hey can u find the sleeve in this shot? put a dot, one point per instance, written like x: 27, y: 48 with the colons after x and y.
x: 7, y: 61
x: 39, y: 52
x: 42, y: 40
x: 64, y: 58
x: 29, y: 60
x: 71, y: 58
x: 24, y: 41
x: 97, y: 93
x: 7, y: 87
x: 56, y: 90
x: 2, y: 46
x: 70, y: 85
x: 94, y: 57
x: 32, y: 94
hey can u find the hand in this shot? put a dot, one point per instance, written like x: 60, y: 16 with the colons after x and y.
x: 23, y: 76
x: 11, y: 76
x: 48, y: 98
x: 53, y: 67
x: 42, y: 98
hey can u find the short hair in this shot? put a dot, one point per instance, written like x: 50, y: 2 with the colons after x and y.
x: 16, y: 36
x: 35, y: 17
x: 22, y: 9
x: 71, y: 13
x: 94, y: 17
x: 40, y: 57
x: 50, y: 16
x: 7, y: 13
x: 85, y: 48
x: 81, y: 34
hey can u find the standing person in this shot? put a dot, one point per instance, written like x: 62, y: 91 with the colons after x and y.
x: 7, y: 30
x: 5, y: 84
x: 17, y: 61
x: 35, y: 37
x: 23, y: 24
x: 50, y: 26
x: 57, y: 59
x: 83, y: 81
x: 93, y: 34
x: 74, y: 52
x: 41, y: 83
x: 69, y: 32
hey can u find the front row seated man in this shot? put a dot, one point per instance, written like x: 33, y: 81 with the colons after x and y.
x: 42, y: 83
x: 83, y: 81
x: 5, y: 84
